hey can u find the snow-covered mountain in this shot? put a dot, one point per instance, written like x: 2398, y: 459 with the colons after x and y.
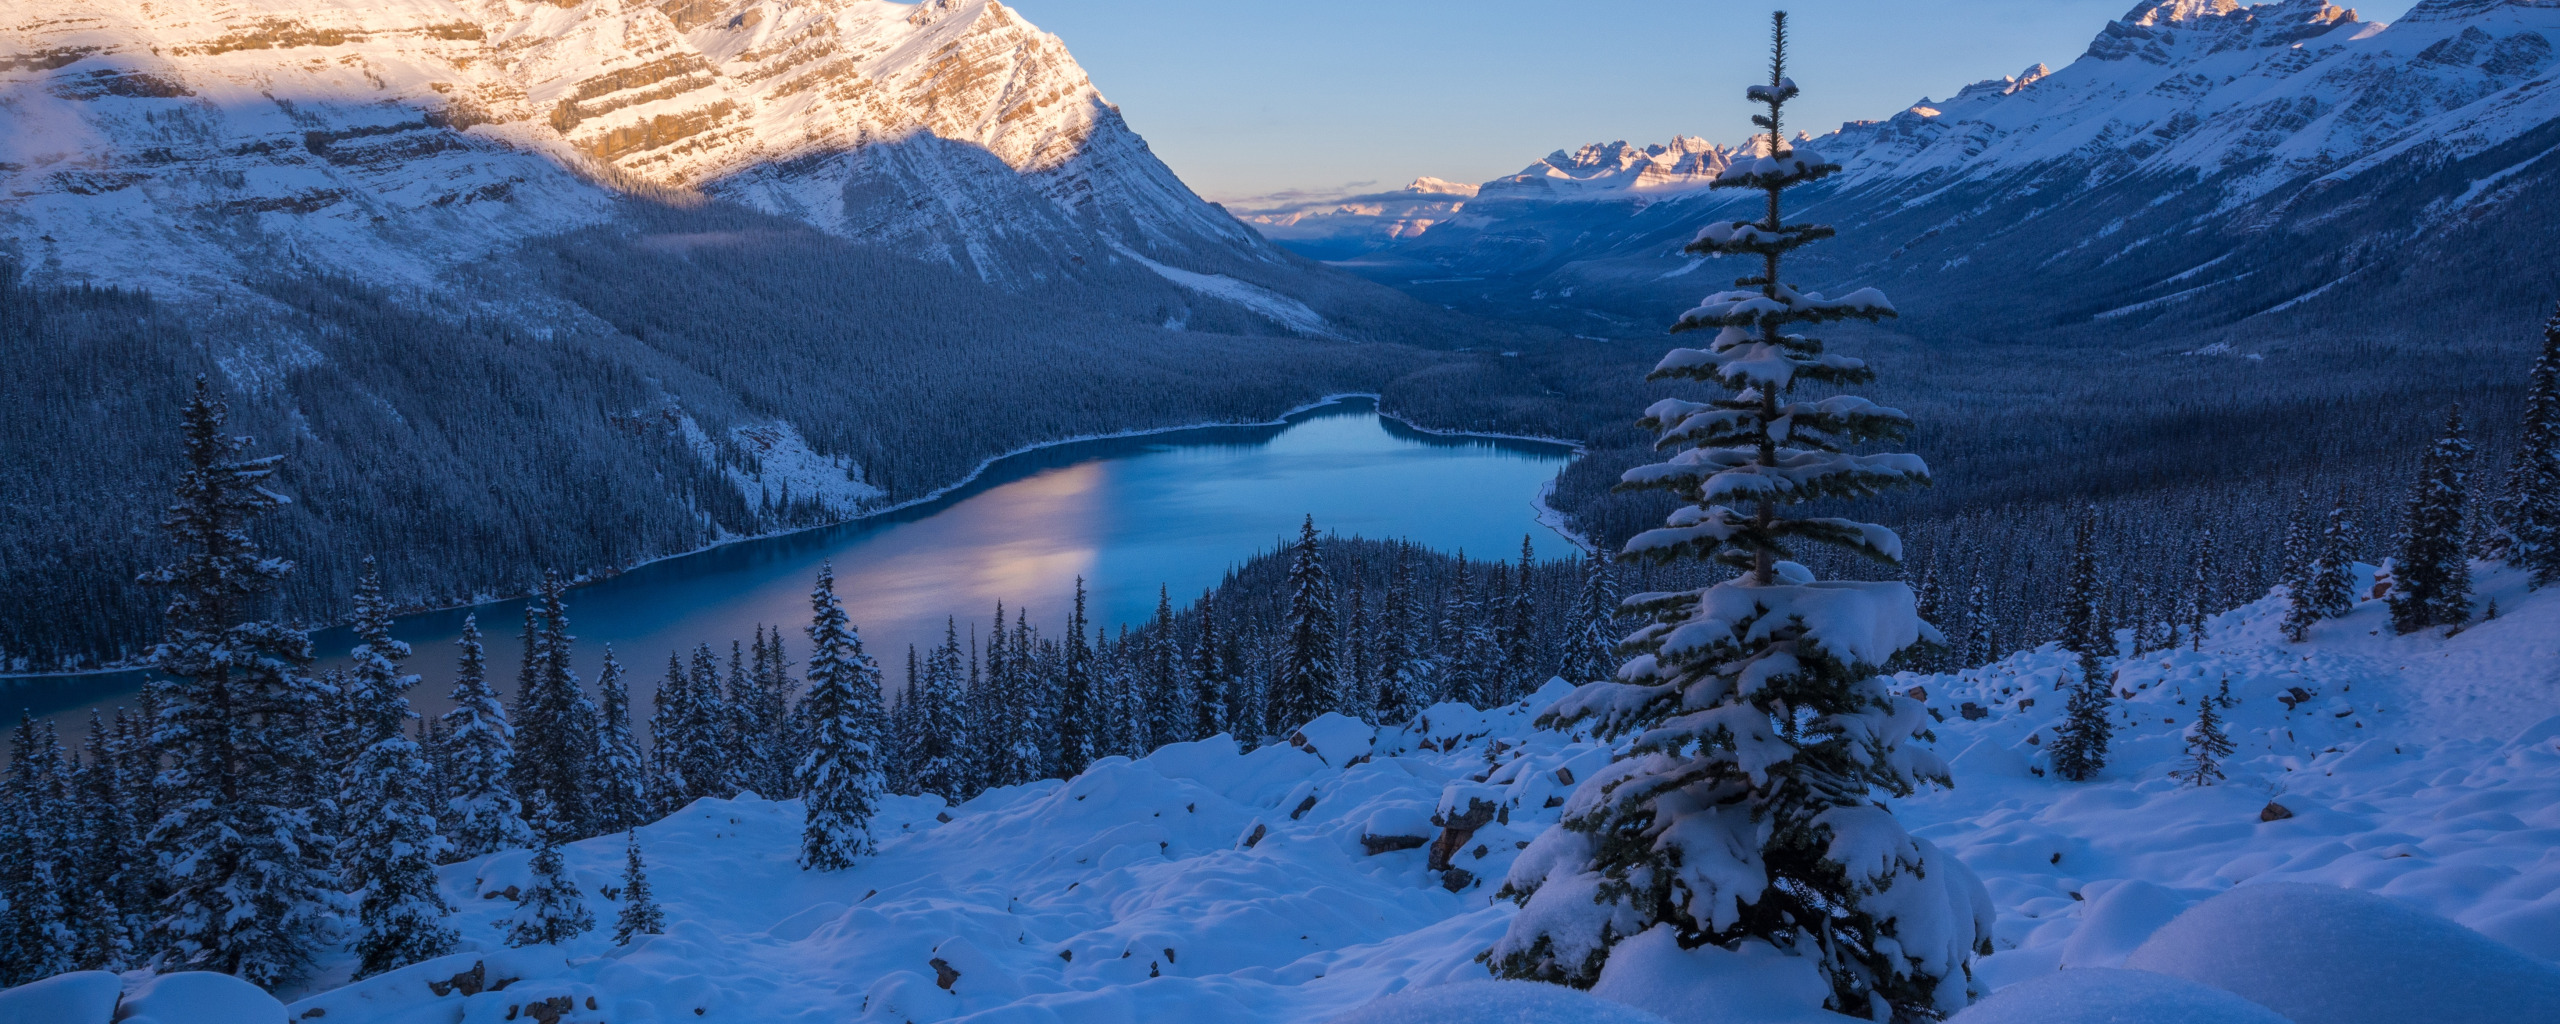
x: 2379, y: 853
x: 181, y: 144
x: 2307, y: 148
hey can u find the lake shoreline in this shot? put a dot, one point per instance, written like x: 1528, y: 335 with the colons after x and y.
x: 1543, y: 514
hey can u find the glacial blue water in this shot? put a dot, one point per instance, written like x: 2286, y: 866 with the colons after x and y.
x: 1173, y: 509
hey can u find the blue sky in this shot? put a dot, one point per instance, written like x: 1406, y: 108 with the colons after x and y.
x: 1248, y: 99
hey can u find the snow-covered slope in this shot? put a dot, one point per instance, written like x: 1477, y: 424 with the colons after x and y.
x: 181, y: 144
x: 1294, y: 883
x: 2319, y: 149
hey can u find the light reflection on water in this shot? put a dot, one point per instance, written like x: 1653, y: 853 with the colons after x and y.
x: 1128, y: 515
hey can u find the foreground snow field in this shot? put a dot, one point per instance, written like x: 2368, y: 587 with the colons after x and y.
x: 1204, y: 884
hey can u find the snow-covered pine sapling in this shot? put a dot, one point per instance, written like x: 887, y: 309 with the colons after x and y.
x: 839, y: 775
x: 2079, y: 748
x: 2326, y: 588
x: 553, y: 910
x: 2431, y: 580
x: 2207, y: 743
x: 248, y: 891
x: 1307, y: 678
x: 2528, y: 515
x: 1744, y: 808
x: 640, y: 913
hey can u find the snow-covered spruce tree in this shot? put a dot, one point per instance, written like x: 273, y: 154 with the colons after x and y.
x: 1163, y: 686
x: 1209, y: 680
x: 555, y: 723
x: 1742, y: 809
x: 1307, y: 678
x: 2326, y: 588
x: 621, y: 788
x: 1519, y: 633
x: 839, y: 775
x: 2431, y: 580
x: 249, y: 886
x: 2202, y: 597
x: 553, y: 910
x: 2207, y: 742
x: 771, y: 713
x: 1400, y: 667
x: 110, y: 872
x: 36, y: 937
x: 1358, y: 694
x: 1591, y: 645
x: 640, y: 912
x: 2528, y: 515
x: 1468, y: 657
x: 1079, y: 713
x: 938, y: 755
x: 388, y: 855
x: 480, y: 755
x: 2079, y: 747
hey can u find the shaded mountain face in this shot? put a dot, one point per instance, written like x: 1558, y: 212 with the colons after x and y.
x: 186, y: 145
x: 2201, y: 164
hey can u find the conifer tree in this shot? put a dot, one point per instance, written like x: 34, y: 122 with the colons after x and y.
x: 553, y: 910
x: 700, y: 753
x: 1209, y: 679
x: 2202, y: 598
x: 839, y: 776
x: 388, y: 855
x: 1162, y: 688
x: 640, y: 913
x: 1980, y: 645
x: 1591, y: 646
x: 1403, y: 677
x: 670, y: 710
x: 110, y: 871
x: 1307, y: 679
x: 2528, y: 514
x: 1079, y: 713
x: 621, y: 784
x: 2431, y: 580
x: 2079, y: 748
x: 555, y: 723
x: 1463, y: 662
x: 480, y: 757
x: 938, y: 759
x: 1358, y: 694
x: 772, y: 720
x: 37, y: 939
x: 2207, y: 743
x: 2326, y: 588
x: 2084, y: 627
x: 1518, y: 630
x: 248, y: 889
x: 1762, y: 724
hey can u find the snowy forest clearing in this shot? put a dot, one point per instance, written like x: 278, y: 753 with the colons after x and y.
x: 1138, y: 892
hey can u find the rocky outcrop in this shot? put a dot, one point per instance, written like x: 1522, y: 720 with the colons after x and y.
x: 391, y: 140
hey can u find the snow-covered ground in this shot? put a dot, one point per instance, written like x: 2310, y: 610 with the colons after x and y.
x: 1206, y: 884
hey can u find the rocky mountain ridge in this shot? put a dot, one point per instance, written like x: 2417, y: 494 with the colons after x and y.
x: 2308, y: 147
x: 391, y: 141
